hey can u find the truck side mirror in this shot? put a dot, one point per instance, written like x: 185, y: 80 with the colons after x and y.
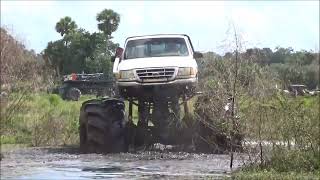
x: 119, y: 52
x: 197, y: 55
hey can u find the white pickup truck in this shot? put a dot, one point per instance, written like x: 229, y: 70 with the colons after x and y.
x: 152, y: 72
x: 156, y: 63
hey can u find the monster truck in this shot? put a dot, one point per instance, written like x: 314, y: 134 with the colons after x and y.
x: 155, y: 73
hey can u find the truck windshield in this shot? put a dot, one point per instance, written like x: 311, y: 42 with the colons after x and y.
x: 155, y: 47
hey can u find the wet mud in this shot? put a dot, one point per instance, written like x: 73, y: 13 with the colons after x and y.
x: 69, y: 163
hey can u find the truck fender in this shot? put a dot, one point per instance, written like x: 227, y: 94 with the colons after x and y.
x: 115, y: 65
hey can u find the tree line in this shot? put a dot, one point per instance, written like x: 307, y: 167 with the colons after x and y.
x: 79, y: 51
x: 286, y: 64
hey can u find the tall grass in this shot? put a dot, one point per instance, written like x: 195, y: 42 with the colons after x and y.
x: 286, y: 130
x: 40, y: 119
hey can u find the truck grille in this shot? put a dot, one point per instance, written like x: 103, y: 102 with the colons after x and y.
x: 155, y: 74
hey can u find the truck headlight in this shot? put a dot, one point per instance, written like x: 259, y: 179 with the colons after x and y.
x: 126, y: 75
x: 187, y: 72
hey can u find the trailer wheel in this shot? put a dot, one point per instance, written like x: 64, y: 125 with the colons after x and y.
x: 103, y: 127
x: 73, y: 94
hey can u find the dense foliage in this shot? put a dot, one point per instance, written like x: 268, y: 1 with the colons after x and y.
x: 81, y: 51
x: 281, y: 131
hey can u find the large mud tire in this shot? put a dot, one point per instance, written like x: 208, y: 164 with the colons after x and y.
x: 103, y: 126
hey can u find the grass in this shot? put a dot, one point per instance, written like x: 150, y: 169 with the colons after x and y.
x: 40, y: 119
x: 43, y: 119
x: 271, y: 174
x: 284, y: 164
x: 294, y: 119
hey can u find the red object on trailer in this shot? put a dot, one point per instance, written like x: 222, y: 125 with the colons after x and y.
x: 73, y: 76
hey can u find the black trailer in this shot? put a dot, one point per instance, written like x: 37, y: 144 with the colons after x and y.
x: 74, y: 85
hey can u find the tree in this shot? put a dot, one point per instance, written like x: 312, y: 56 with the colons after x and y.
x: 84, y: 52
x: 100, y: 60
x: 54, y: 56
x: 281, y: 54
x: 65, y: 26
x: 108, y: 21
x: 261, y: 56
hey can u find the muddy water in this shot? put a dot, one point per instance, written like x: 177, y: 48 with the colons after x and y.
x: 68, y: 163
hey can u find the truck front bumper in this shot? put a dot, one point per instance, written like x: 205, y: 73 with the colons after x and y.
x: 173, y: 88
x: 178, y: 82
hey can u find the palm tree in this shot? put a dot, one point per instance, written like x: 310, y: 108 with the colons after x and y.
x: 65, y: 26
x: 108, y: 21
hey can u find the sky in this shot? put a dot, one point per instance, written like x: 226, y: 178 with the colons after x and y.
x: 210, y: 24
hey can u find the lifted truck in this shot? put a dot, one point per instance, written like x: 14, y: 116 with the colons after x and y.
x: 154, y: 73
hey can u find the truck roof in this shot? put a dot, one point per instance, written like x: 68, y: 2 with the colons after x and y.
x: 157, y: 36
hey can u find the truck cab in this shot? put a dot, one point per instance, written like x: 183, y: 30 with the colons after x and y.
x: 156, y: 63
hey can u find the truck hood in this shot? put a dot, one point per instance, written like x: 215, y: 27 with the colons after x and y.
x: 157, y: 62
